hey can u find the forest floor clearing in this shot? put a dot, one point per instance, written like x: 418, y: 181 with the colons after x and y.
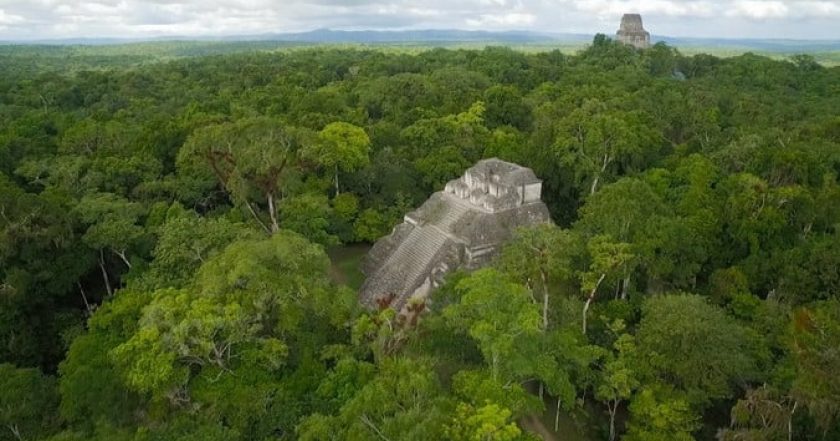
x: 346, y: 268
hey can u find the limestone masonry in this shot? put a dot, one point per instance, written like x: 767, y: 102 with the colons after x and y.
x: 632, y: 31
x: 459, y: 227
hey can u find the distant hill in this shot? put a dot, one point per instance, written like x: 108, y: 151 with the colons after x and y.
x: 340, y: 36
x: 763, y: 45
x: 420, y: 36
x: 450, y: 37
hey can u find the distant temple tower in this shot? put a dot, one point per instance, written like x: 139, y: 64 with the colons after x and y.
x: 632, y: 32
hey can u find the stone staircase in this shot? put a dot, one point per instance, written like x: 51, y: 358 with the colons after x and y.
x: 407, y: 266
x: 456, y: 209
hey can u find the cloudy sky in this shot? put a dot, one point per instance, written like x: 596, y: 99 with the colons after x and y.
x: 44, y: 19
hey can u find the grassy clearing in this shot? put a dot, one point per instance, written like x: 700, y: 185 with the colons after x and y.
x: 347, y: 264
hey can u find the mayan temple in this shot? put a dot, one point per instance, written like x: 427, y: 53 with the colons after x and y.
x: 459, y: 227
x: 632, y: 31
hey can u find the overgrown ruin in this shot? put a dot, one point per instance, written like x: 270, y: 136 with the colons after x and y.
x: 459, y: 227
x: 632, y: 32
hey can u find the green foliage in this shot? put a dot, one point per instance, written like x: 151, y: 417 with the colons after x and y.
x: 185, y: 241
x: 157, y: 200
x: 309, y: 215
x: 505, y: 107
x: 544, y: 257
x: 247, y: 319
x: 660, y: 413
x: 403, y: 401
x: 694, y: 346
x: 596, y: 143
x: 761, y: 415
x: 487, y: 423
x: 610, y: 260
x: 92, y: 390
x: 112, y: 219
x: 251, y: 159
x: 496, y: 314
x: 345, y: 209
x: 243, y: 306
x: 619, y: 378
x: 477, y: 388
x: 341, y: 146
x: 443, y: 147
x: 815, y: 334
x: 28, y: 404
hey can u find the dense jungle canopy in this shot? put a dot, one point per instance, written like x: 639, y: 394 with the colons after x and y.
x: 164, y: 227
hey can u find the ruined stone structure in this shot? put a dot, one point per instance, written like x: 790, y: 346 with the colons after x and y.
x: 632, y: 31
x: 459, y: 227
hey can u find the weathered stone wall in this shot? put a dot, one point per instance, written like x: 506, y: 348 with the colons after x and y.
x: 533, y: 192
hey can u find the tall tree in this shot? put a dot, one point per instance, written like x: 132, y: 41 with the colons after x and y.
x: 694, y: 346
x: 542, y: 257
x: 619, y: 377
x: 611, y: 262
x: 251, y: 159
x: 340, y: 146
x: 599, y: 143
x: 496, y: 313
x: 247, y: 317
x: 661, y: 413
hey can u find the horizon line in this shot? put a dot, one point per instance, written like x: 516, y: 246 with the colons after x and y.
x: 245, y: 37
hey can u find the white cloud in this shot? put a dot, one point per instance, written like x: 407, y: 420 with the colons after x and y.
x: 36, y: 19
x: 512, y: 19
x: 817, y: 8
x: 425, y: 12
x: 662, y: 7
x: 760, y: 10
x: 10, y: 19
